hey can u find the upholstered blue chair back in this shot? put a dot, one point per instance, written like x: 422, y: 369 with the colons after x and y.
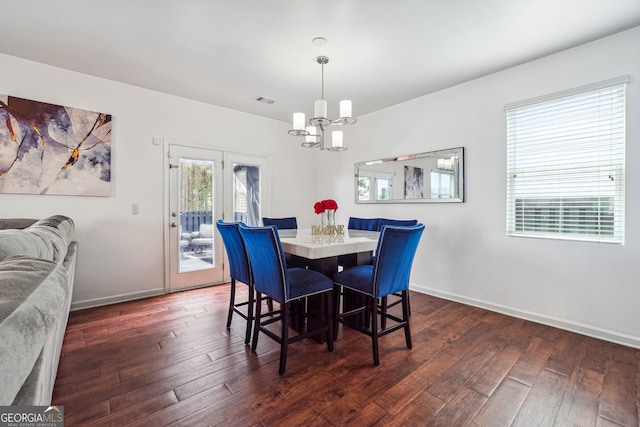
x: 288, y: 223
x: 370, y: 224
x: 394, y: 257
x: 267, y: 261
x: 236, y: 252
x: 376, y: 224
x: 397, y: 222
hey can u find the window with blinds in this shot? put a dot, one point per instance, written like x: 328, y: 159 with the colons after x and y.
x: 565, y: 164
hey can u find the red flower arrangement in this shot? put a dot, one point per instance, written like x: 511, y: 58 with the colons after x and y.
x: 323, y: 205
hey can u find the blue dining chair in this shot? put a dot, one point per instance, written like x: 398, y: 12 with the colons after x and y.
x: 388, y: 275
x: 369, y: 224
x: 239, y: 271
x: 287, y: 223
x: 284, y: 285
x: 397, y: 222
x: 376, y: 224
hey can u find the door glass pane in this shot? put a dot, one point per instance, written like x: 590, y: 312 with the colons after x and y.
x: 196, y: 248
x: 246, y: 194
x: 383, y: 185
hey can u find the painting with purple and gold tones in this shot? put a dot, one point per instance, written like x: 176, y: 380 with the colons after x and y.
x: 52, y: 149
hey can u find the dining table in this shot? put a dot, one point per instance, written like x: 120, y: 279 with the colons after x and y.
x: 327, y: 253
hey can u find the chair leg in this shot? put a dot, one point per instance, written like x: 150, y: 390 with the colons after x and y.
x: 383, y: 317
x: 329, y: 320
x: 337, y: 290
x: 284, y: 343
x: 367, y: 315
x: 250, y: 308
x: 405, y: 318
x: 373, y: 308
x: 256, y: 327
x: 232, y: 302
x: 384, y: 306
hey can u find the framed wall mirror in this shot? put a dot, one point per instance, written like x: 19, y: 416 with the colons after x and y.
x: 431, y: 177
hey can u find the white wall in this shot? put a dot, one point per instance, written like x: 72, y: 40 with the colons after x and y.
x: 465, y: 254
x: 121, y: 254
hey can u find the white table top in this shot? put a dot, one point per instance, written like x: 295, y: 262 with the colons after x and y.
x: 302, y: 243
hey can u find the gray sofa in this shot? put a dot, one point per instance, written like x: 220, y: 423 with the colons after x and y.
x: 37, y: 267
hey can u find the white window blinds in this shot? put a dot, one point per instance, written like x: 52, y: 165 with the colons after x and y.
x: 565, y: 164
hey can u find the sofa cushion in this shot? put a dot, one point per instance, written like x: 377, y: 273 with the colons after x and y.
x: 32, y: 297
x: 15, y: 222
x: 206, y: 230
x: 46, y: 239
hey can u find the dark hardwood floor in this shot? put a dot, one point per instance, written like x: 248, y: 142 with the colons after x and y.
x: 170, y: 360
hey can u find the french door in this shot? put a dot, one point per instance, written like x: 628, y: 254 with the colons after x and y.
x: 200, y: 190
x: 195, y: 250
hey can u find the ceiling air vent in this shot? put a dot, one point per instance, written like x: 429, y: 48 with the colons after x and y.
x: 265, y: 100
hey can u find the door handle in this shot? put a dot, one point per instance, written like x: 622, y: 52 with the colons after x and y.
x: 174, y: 225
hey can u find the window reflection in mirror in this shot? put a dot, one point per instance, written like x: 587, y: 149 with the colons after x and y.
x: 383, y: 188
x: 436, y: 176
x: 364, y: 188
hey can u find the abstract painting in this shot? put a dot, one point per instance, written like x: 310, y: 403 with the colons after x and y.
x: 413, y: 182
x: 52, y: 149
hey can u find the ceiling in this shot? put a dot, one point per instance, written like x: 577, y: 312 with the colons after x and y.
x: 229, y: 52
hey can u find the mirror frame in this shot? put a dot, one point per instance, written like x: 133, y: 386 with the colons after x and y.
x: 458, y: 151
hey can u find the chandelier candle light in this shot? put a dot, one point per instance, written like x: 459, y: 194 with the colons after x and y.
x: 314, y: 132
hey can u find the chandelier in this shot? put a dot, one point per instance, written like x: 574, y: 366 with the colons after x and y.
x: 314, y: 131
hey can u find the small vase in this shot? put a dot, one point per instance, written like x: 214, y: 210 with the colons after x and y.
x: 331, y: 216
x: 328, y: 217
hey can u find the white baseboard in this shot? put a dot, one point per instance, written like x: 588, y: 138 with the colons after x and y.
x: 591, y: 331
x: 97, y: 302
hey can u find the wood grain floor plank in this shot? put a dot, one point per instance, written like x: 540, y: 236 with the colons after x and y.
x: 457, y: 376
x: 419, y: 412
x: 402, y: 393
x: 491, y: 375
x: 131, y: 413
x: 543, y: 401
x: 618, y: 401
x: 567, y: 353
x: 460, y: 410
x: 370, y: 415
x: 503, y: 405
x: 532, y: 361
x: 580, y: 404
x: 82, y: 414
x: 596, y: 354
x: 603, y: 422
x: 213, y: 398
